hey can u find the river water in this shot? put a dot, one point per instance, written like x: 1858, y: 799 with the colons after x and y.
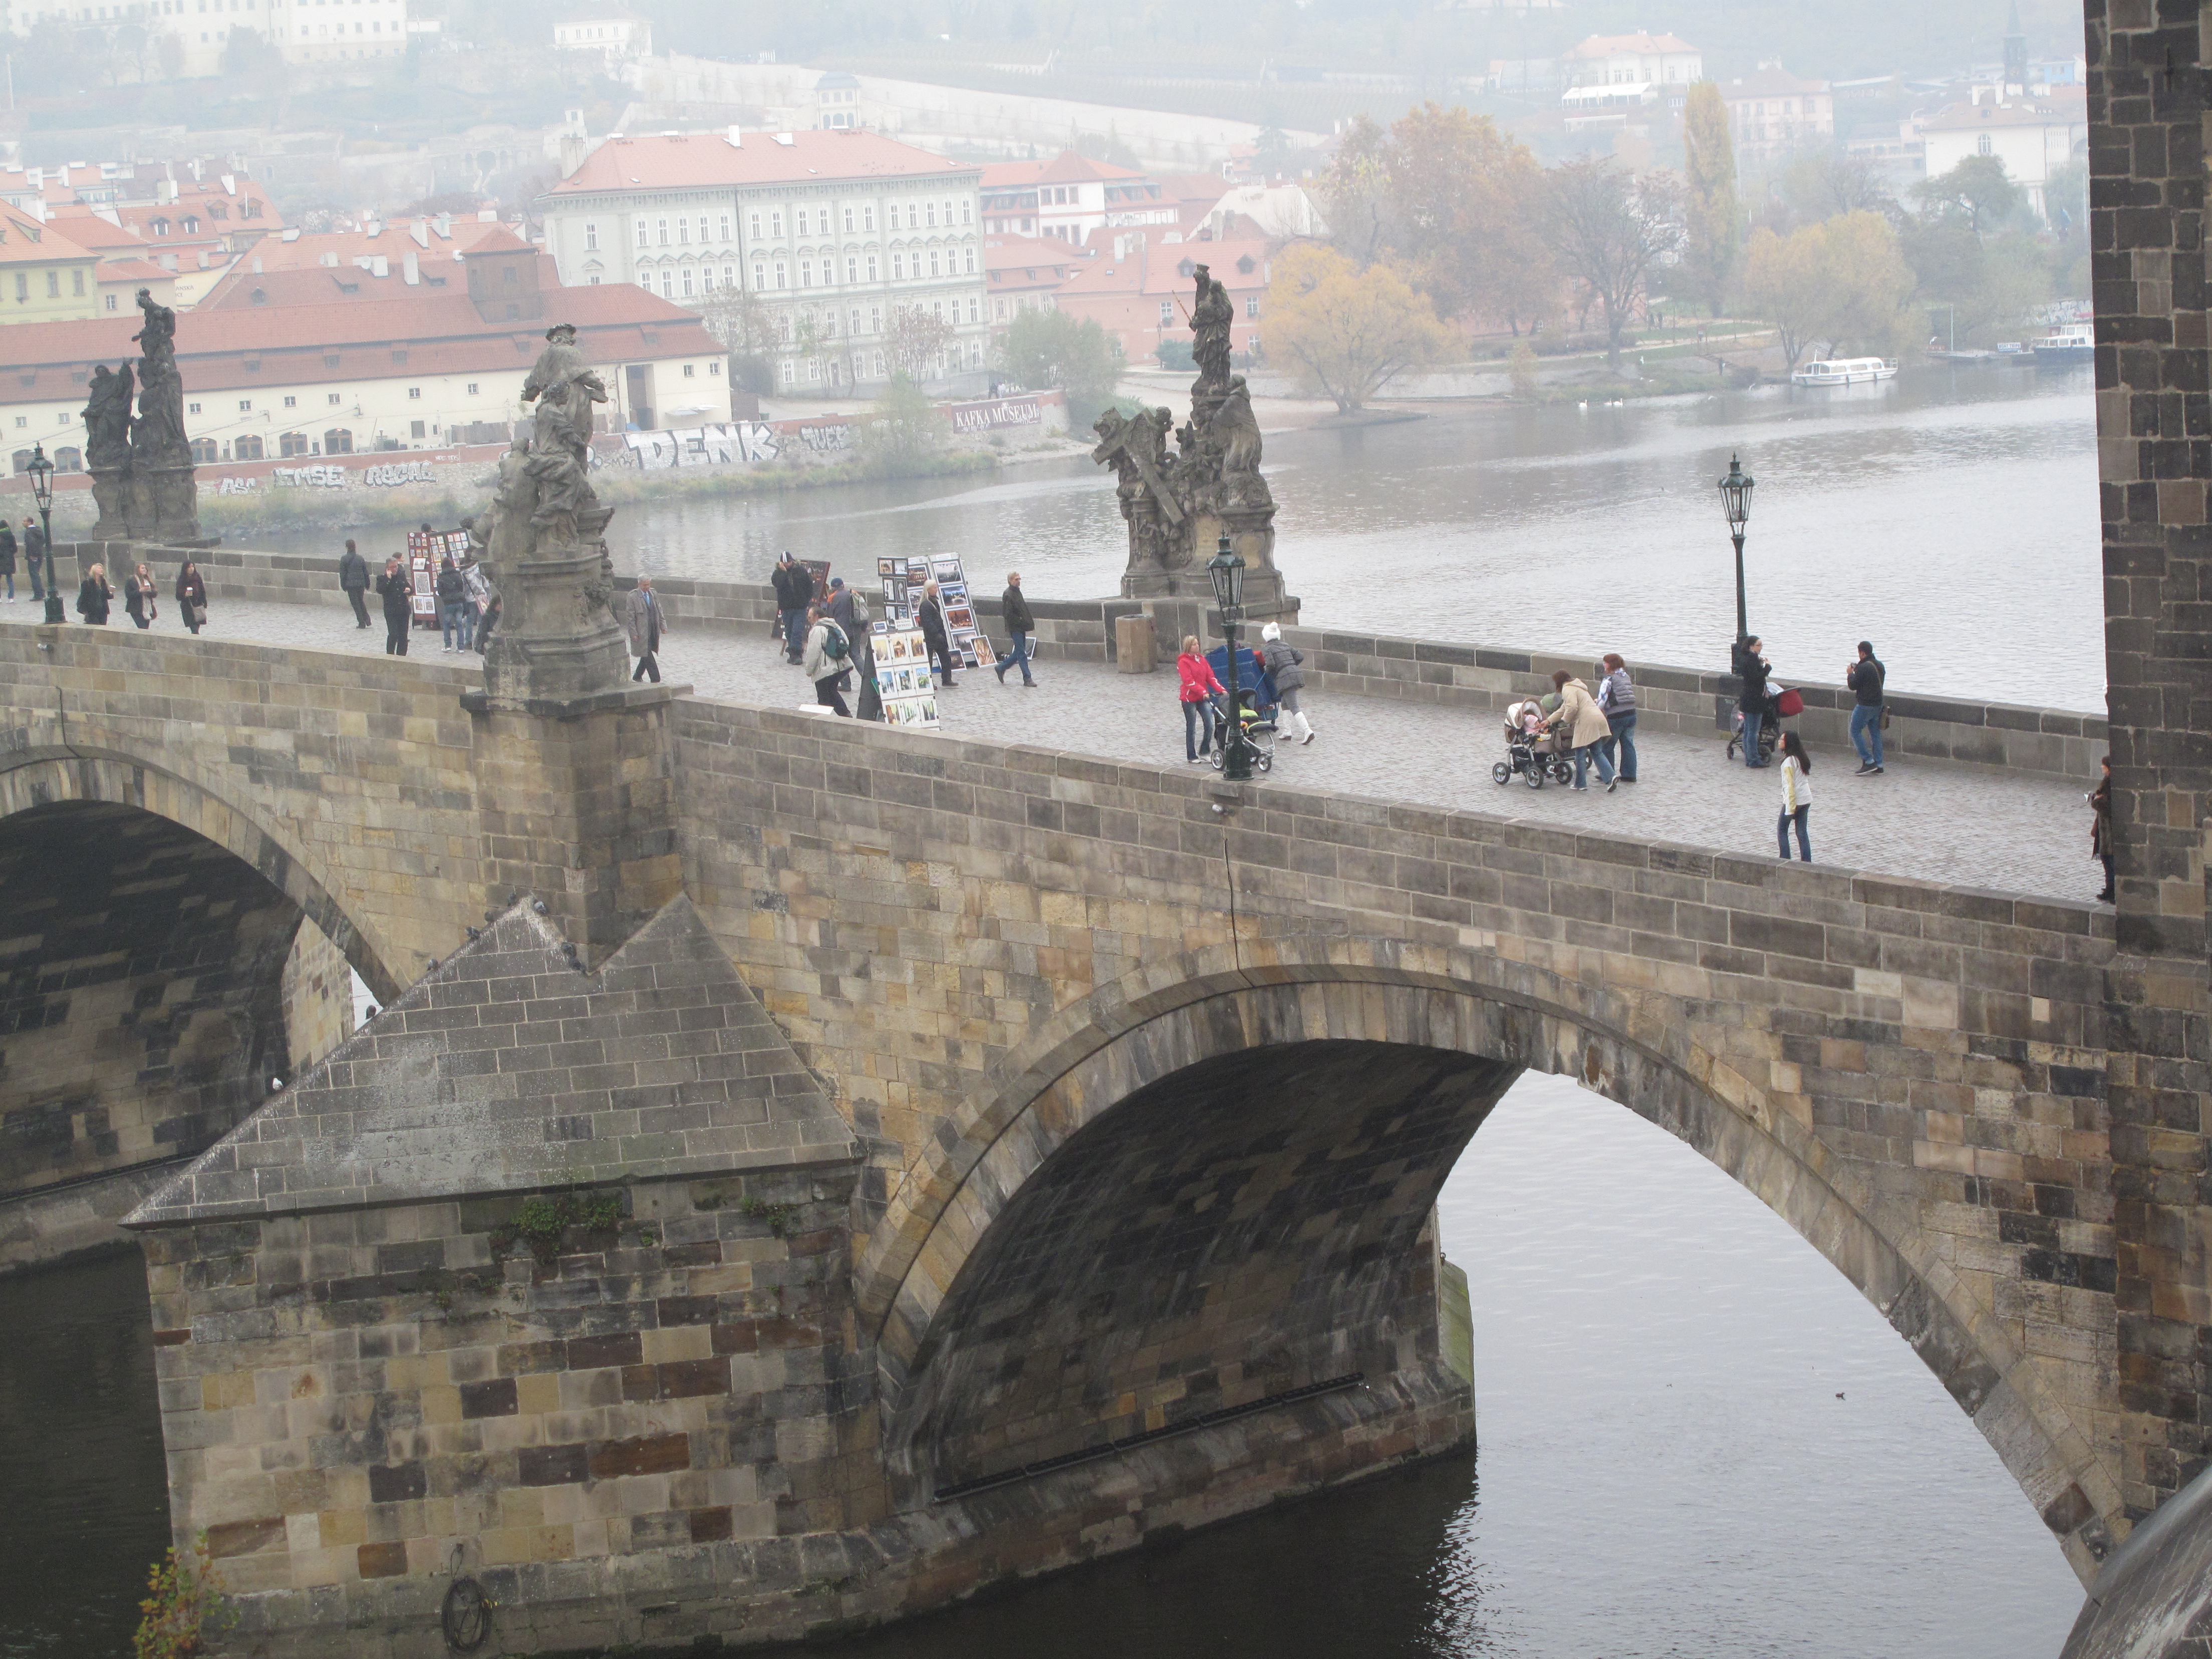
x: 1950, y: 516
x: 1697, y: 1438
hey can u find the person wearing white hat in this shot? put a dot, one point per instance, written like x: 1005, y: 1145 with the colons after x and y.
x: 1281, y: 661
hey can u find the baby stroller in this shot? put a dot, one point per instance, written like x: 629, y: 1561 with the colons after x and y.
x: 1781, y: 705
x: 1261, y: 703
x: 1532, y: 757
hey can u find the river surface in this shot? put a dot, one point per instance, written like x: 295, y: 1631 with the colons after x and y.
x: 1950, y: 516
x: 1696, y: 1440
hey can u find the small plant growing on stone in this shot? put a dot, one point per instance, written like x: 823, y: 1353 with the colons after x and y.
x: 779, y: 1217
x: 545, y: 1222
x: 184, y: 1599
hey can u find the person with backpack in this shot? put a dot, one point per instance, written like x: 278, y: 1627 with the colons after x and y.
x: 642, y: 616
x: 353, y: 580
x: 1796, y: 796
x: 829, y: 656
x: 1867, y: 678
x: 453, y: 619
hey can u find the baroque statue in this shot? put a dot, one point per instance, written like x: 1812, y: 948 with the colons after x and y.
x: 1178, y: 508
x: 141, y: 466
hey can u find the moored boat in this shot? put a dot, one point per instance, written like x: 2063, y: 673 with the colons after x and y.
x: 1844, y: 371
x: 2066, y: 345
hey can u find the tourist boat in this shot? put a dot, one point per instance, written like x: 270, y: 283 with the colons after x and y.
x: 1844, y: 371
x: 2068, y: 345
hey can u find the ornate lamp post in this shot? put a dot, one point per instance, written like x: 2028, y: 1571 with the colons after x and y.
x: 42, y: 487
x: 1227, y: 571
x: 1735, y: 502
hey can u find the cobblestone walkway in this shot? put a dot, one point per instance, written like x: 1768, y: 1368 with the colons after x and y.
x: 1937, y: 822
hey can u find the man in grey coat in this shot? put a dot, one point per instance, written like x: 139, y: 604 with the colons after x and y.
x: 645, y: 621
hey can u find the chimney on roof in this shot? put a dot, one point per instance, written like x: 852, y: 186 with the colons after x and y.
x: 503, y: 284
x: 445, y: 226
x: 419, y: 234
x: 411, y: 272
x: 374, y: 227
x: 229, y: 184
x: 256, y: 265
x: 735, y: 136
x: 380, y: 266
x: 327, y: 258
x: 575, y: 149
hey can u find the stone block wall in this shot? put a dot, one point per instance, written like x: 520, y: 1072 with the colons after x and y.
x: 2147, y: 113
x: 359, y: 1404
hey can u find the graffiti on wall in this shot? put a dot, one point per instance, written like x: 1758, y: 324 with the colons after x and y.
x: 386, y: 475
x: 998, y: 412
x: 310, y: 477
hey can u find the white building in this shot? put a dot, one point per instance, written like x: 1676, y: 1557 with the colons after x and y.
x: 1627, y: 60
x: 1773, y: 113
x: 2032, y: 138
x: 303, y: 31
x: 837, y: 100
x: 834, y: 232
x: 614, y: 40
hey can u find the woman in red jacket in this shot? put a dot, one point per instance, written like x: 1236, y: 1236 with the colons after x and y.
x: 1200, y: 689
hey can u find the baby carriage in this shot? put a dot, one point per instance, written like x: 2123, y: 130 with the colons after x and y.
x: 1781, y: 705
x: 1532, y: 757
x: 1259, y: 704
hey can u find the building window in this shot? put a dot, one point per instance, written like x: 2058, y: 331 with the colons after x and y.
x: 204, y: 451
x: 337, y: 440
x: 689, y: 371
x: 756, y: 231
x: 967, y: 213
x: 790, y: 371
x: 975, y: 309
x: 898, y: 267
x: 247, y: 448
x: 641, y: 232
x: 292, y: 443
x: 684, y: 231
x: 713, y: 368
x: 472, y: 388
x: 76, y: 283
x: 332, y: 400
x: 776, y: 222
x: 687, y: 281
x: 192, y: 409
x: 972, y: 262
x: 111, y: 302
x: 879, y: 365
x: 760, y: 277
x: 415, y: 393
x: 664, y: 232
x: 726, y: 227
x: 291, y: 403
x: 415, y: 430
x: 1983, y: 143
x: 590, y: 238
x: 802, y: 222
x: 933, y: 261
x: 875, y: 323
x: 54, y: 285
x: 779, y: 273
x: 806, y: 273
x: 849, y: 221
x: 871, y: 267
x: 867, y: 216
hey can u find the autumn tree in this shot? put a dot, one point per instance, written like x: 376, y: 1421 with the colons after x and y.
x: 1452, y: 198
x: 1349, y: 331
x: 1609, y: 229
x: 1978, y: 191
x: 1842, y: 281
x: 1710, y: 215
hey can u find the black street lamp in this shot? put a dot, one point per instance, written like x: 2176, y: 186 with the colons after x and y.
x: 42, y: 487
x: 1736, y: 500
x: 1227, y: 570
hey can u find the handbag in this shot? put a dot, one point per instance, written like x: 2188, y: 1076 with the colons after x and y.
x: 1789, y: 704
x: 1884, y: 717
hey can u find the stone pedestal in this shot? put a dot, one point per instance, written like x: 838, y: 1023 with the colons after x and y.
x: 111, y: 493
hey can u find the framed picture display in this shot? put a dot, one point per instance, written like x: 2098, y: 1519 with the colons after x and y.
x: 902, y: 677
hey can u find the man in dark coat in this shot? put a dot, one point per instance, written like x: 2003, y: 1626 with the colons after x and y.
x: 794, y: 591
x: 8, y: 559
x: 353, y: 577
x: 35, y: 556
x: 1019, y: 626
x: 931, y: 615
x: 397, y: 590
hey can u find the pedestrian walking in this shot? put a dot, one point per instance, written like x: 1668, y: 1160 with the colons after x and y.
x: 2100, y: 830
x: 1867, y: 678
x: 138, y: 594
x: 829, y: 655
x: 93, y: 596
x: 1616, y: 699
x: 647, y: 622
x: 353, y: 578
x: 794, y: 592
x: 1019, y: 626
x: 931, y: 615
x: 1751, y: 670
x: 453, y: 605
x: 1199, y: 690
x: 35, y: 556
x: 1797, y: 796
x: 394, y: 588
x: 841, y: 605
x: 475, y: 595
x: 1283, y: 663
x: 1585, y: 722
x: 191, y: 596
x: 8, y: 559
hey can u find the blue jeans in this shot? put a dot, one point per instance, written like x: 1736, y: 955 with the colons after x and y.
x: 11, y: 584
x: 1019, y: 653
x: 37, y: 590
x: 1866, y: 725
x: 1752, y: 719
x: 1782, y: 834
x: 1623, y: 743
x: 794, y: 632
x: 1198, y: 723
x: 1581, y: 765
x: 455, y: 619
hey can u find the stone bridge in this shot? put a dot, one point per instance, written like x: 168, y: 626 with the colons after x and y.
x: 1126, y: 1095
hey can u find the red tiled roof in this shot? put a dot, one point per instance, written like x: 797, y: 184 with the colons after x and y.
x: 394, y: 239
x: 1068, y: 167
x: 1003, y: 252
x: 1604, y: 46
x: 24, y: 240
x: 1156, y: 269
x: 674, y: 161
x: 440, y: 333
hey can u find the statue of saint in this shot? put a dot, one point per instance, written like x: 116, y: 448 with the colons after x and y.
x: 1211, y: 314
x: 564, y: 387
x: 107, y: 418
x: 157, y: 437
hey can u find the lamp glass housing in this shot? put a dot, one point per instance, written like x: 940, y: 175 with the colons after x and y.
x: 1735, y: 496
x: 1227, y: 571
x: 42, y: 476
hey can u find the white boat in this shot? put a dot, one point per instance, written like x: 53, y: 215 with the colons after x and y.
x: 1844, y: 371
x: 2067, y: 344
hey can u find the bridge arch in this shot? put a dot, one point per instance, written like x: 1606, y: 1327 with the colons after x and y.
x: 1379, y: 1061
x: 113, y: 779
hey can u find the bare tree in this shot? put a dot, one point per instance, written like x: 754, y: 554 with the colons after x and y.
x: 916, y: 341
x: 1608, y: 228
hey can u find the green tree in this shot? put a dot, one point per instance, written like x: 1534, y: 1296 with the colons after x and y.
x: 1610, y: 229
x: 1710, y: 215
x: 904, y: 430
x: 1977, y: 189
x: 1349, y: 331
x: 1050, y: 348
